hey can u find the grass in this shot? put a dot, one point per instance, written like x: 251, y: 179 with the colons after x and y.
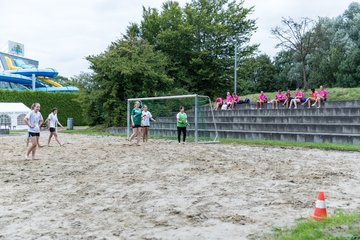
x: 334, y: 94
x: 340, y: 226
x: 99, y: 131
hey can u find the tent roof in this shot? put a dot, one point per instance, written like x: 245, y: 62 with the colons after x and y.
x: 13, y: 107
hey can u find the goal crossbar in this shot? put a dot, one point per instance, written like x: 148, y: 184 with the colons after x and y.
x: 195, y: 96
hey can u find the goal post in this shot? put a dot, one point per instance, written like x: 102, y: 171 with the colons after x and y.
x: 196, y: 110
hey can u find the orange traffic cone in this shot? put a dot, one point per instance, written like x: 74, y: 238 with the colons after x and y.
x: 320, y: 209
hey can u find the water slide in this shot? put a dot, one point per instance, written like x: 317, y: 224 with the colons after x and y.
x: 20, y: 79
x: 27, y: 81
x: 49, y: 82
x: 22, y: 74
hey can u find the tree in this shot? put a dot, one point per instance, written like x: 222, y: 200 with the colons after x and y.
x: 199, y: 41
x: 297, y: 37
x: 129, y: 68
x: 257, y: 74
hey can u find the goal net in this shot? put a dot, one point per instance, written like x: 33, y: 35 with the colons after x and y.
x: 200, y: 115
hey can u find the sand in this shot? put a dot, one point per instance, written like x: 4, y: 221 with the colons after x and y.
x: 100, y: 188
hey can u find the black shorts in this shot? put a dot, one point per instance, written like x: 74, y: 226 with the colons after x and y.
x: 137, y: 126
x: 145, y: 126
x: 32, y: 134
x: 52, y: 130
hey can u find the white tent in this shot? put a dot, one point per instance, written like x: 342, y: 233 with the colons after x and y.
x: 12, y: 115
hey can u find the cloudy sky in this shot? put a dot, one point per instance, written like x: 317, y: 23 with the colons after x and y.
x: 61, y: 33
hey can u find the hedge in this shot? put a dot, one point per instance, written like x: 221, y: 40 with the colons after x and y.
x: 69, y: 104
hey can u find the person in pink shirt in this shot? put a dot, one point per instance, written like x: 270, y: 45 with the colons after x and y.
x: 288, y: 98
x: 321, y: 97
x: 299, y: 97
x: 218, y: 102
x: 235, y: 99
x: 261, y: 101
x: 229, y: 100
x: 312, y: 98
x: 279, y: 97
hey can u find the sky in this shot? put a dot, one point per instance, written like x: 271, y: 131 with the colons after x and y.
x: 61, y: 33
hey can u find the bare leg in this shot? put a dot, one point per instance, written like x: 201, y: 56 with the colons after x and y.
x: 50, y: 136
x: 138, y: 135
x: 57, y: 139
x: 132, y: 135
x: 144, y: 134
x: 32, y: 148
x: 295, y: 102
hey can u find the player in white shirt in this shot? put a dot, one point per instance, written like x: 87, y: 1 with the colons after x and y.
x: 52, y: 122
x: 34, y: 120
x: 145, y: 122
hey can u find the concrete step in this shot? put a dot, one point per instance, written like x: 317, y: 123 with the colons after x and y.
x: 282, y: 112
x: 336, y: 104
x: 272, y: 119
x: 272, y: 127
x: 264, y: 135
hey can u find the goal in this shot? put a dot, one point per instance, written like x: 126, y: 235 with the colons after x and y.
x: 202, y: 126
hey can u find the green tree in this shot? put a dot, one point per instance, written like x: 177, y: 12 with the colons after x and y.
x: 298, y: 37
x: 199, y: 41
x: 129, y: 68
x: 257, y: 74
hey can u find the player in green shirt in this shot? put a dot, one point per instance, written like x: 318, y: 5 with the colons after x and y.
x: 181, y: 123
x: 136, y: 123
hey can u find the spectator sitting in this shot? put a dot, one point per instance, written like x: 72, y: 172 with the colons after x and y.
x: 278, y: 98
x: 299, y: 97
x: 218, y: 103
x: 229, y: 101
x: 321, y: 97
x: 288, y: 98
x: 224, y: 106
x: 261, y: 101
x: 312, y: 98
x: 235, y: 99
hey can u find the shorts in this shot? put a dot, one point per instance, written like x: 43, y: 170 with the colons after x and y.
x: 136, y: 126
x: 145, y: 126
x: 303, y: 99
x: 52, y: 130
x: 32, y: 134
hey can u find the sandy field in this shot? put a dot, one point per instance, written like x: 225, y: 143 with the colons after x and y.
x: 98, y: 187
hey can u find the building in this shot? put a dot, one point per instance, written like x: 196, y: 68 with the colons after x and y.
x: 12, y: 115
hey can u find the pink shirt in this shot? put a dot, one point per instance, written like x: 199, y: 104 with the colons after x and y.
x: 219, y: 100
x: 229, y: 99
x: 288, y: 94
x: 314, y: 94
x: 236, y: 98
x: 323, y: 93
x: 299, y: 95
x: 262, y: 97
x: 279, y: 96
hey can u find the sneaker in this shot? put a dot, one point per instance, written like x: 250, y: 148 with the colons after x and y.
x: 313, y: 105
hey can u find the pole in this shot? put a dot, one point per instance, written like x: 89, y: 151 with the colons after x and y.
x: 235, y: 69
x: 196, y: 118
x: 33, y: 78
x: 128, y: 119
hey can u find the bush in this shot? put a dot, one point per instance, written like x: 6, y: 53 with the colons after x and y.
x: 69, y: 104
